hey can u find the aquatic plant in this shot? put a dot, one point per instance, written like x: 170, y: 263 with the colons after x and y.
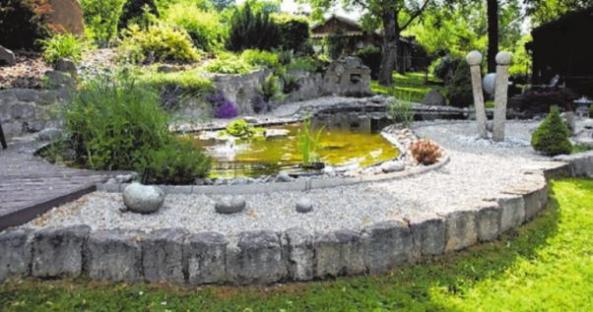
x: 241, y: 129
x: 308, y: 142
x: 401, y: 110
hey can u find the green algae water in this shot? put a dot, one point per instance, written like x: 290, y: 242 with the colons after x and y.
x: 261, y: 155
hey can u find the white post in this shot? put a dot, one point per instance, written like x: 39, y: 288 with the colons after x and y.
x: 474, y: 59
x: 503, y: 60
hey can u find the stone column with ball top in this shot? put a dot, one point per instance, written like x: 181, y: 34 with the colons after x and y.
x: 474, y: 59
x: 503, y: 61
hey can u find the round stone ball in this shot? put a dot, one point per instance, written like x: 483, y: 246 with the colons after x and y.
x: 304, y: 205
x: 474, y: 58
x: 504, y: 58
x: 489, y: 83
x: 143, y: 198
x: 230, y: 204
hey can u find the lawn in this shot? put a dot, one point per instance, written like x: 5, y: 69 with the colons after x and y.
x: 411, y: 86
x: 545, y: 266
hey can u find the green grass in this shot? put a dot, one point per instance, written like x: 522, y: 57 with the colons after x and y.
x: 410, y: 85
x: 191, y: 80
x: 546, y: 266
x: 581, y: 148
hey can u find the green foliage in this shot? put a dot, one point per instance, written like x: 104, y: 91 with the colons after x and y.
x: 459, y: 88
x: 21, y: 23
x: 551, y: 137
x: 412, y: 86
x: 336, y: 44
x: 191, y: 81
x: 521, y: 59
x: 446, y: 66
x: 241, y: 129
x: 401, y: 111
x: 272, y: 89
x: 158, y: 43
x: 252, y: 29
x: 294, y: 31
x: 228, y: 63
x: 134, y: 12
x: 113, y: 123
x: 62, y: 46
x: 306, y: 63
x: 204, y: 27
x: 308, y: 142
x: 101, y: 19
x: 261, y: 58
x: 178, y: 162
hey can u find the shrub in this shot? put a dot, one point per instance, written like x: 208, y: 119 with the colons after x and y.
x: 272, y: 88
x: 223, y: 107
x: 294, y: 31
x: 261, y: 58
x: 178, y: 162
x: 371, y: 57
x: 425, y: 152
x: 116, y: 124
x: 101, y: 19
x: 204, y: 28
x: 306, y: 63
x: 459, y: 89
x: 252, y: 30
x: 62, y: 46
x: 228, y: 63
x: 446, y: 66
x: 159, y: 42
x: 133, y: 12
x: 21, y: 23
x: 551, y: 137
x: 189, y: 80
x: 540, y: 101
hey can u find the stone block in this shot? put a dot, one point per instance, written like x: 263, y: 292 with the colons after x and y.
x: 16, y: 253
x: 58, y: 252
x: 535, y: 201
x: 115, y: 255
x: 300, y: 253
x: 339, y: 253
x: 488, y: 220
x: 205, y: 256
x: 513, y: 212
x: 429, y: 235
x: 162, y: 256
x: 388, y: 244
x: 257, y: 257
x: 461, y: 230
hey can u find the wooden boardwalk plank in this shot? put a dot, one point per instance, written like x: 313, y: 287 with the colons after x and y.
x: 29, y: 186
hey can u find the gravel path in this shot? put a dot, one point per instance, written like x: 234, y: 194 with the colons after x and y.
x: 478, y: 170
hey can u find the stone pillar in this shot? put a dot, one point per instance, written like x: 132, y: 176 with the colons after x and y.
x: 503, y: 60
x: 474, y: 59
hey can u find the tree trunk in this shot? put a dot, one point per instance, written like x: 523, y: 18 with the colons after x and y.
x: 492, y: 34
x: 390, y: 40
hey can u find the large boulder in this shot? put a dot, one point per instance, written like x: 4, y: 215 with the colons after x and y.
x: 143, y: 198
x: 434, y: 98
x: 65, y: 16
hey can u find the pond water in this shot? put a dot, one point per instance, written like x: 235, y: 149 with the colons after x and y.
x: 339, y: 145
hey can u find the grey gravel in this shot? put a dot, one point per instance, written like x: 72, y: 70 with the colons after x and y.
x: 477, y: 171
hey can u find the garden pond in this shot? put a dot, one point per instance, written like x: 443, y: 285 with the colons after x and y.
x: 278, y: 148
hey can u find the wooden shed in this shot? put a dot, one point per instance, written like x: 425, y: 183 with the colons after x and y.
x: 564, y: 47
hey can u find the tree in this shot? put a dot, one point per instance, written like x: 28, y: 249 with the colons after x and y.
x: 492, y: 34
x: 393, y: 16
x: 543, y: 11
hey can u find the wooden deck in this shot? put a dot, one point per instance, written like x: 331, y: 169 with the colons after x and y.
x: 30, y: 186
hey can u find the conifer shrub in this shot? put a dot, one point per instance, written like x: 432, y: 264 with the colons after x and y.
x: 251, y: 29
x: 551, y: 137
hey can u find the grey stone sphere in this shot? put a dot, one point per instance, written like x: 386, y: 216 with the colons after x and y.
x: 489, y: 83
x: 143, y: 198
x: 474, y: 58
x: 504, y: 58
x: 230, y: 204
x: 304, y: 205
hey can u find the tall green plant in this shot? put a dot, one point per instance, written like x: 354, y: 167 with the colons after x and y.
x: 251, y: 29
x: 308, y: 142
x: 63, y: 46
x: 101, y: 19
x: 401, y: 110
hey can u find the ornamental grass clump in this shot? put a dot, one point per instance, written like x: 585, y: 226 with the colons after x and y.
x: 113, y: 123
x: 425, y: 152
x: 551, y: 137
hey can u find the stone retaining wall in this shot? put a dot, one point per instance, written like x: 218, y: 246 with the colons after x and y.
x: 264, y: 257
